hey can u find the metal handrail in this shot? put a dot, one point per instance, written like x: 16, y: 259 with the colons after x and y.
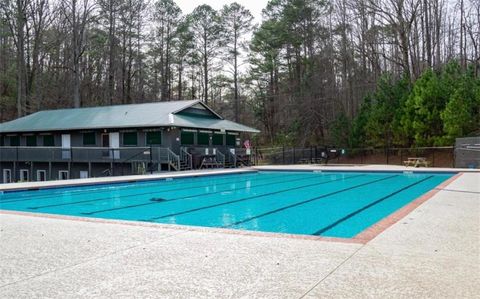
x: 233, y: 157
x: 175, y: 160
x: 220, y: 157
x: 184, y: 153
x: 243, y: 161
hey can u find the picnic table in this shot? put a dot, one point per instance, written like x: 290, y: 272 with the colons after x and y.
x: 210, y: 161
x: 312, y: 161
x: 416, y: 162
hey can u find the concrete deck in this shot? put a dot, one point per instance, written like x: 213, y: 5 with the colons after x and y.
x: 433, y: 252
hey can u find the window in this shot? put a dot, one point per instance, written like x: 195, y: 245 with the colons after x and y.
x: 186, y: 138
x: 32, y: 140
x: 63, y: 175
x: 83, y: 174
x: 24, y: 176
x: 217, y: 139
x: 231, y: 140
x: 130, y: 138
x: 89, y: 138
x: 14, y: 140
x: 7, y: 176
x: 203, y: 138
x: 154, y: 138
x: 41, y: 175
x: 48, y: 140
x: 2, y: 141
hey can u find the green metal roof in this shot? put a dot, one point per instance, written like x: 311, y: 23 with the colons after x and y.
x: 159, y: 114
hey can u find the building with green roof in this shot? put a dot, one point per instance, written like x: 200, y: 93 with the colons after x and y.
x: 116, y: 140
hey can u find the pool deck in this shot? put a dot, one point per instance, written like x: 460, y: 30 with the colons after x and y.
x: 431, y: 252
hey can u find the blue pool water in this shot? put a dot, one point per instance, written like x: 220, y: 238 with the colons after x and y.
x: 334, y: 204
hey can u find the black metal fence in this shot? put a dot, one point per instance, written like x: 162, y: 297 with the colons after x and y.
x: 435, y: 156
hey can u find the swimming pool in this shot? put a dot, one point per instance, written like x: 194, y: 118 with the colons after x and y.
x: 332, y: 204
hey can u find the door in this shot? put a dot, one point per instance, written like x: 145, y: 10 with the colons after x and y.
x: 7, y: 176
x: 105, y: 140
x: 114, y: 140
x: 63, y: 175
x: 24, y: 175
x: 41, y: 175
x: 66, y: 146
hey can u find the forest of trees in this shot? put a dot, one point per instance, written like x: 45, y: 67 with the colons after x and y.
x: 357, y: 73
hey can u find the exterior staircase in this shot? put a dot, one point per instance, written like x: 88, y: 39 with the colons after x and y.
x: 185, y: 160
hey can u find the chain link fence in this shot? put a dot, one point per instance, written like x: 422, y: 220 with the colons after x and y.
x: 435, y: 156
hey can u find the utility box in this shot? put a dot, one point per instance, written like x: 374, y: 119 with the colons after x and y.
x: 467, y: 152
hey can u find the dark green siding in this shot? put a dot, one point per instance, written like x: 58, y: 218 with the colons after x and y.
x: 89, y: 138
x: 48, y: 140
x: 217, y: 139
x: 32, y: 140
x: 203, y: 138
x: 130, y: 138
x: 14, y: 140
x: 186, y: 138
x: 154, y: 138
x: 231, y: 140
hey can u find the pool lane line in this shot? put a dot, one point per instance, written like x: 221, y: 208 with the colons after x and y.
x: 192, y: 196
x: 143, y: 193
x: 104, y: 187
x: 350, y: 215
x: 299, y: 178
x: 306, y: 201
x: 248, y: 198
x: 172, y: 182
x: 156, y: 192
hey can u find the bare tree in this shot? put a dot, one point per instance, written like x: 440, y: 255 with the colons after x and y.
x: 78, y: 15
x: 236, y: 22
x: 204, y: 24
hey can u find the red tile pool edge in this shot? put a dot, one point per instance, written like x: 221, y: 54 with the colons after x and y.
x: 362, y: 238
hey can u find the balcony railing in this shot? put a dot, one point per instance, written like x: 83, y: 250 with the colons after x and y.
x: 84, y: 154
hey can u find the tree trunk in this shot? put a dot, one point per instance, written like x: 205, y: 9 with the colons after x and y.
x: 205, y: 69
x: 428, y: 40
x: 235, y: 77
x: 21, y: 71
x: 111, y: 56
x: 180, y: 87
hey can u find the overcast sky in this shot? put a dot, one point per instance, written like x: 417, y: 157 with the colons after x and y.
x: 255, y: 6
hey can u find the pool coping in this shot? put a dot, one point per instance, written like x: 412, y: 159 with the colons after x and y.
x: 362, y: 238
x: 362, y: 168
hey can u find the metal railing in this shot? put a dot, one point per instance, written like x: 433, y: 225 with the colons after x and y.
x: 83, y: 154
x: 187, y: 157
x: 173, y: 160
x: 151, y: 156
x: 220, y: 157
x: 232, y: 158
